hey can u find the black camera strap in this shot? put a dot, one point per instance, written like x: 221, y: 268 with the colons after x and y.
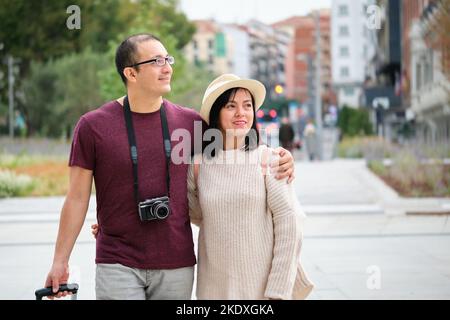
x: 167, y: 146
x: 133, y: 147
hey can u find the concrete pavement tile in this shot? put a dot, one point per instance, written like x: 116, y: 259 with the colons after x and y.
x: 412, y: 267
x: 45, y: 232
x: 356, y: 287
x: 414, y: 224
x: 446, y: 227
x: 23, y: 269
x: 321, y: 280
x: 36, y: 205
x: 345, y: 225
x: 329, y: 294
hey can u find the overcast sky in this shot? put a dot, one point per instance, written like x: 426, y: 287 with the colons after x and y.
x: 240, y: 11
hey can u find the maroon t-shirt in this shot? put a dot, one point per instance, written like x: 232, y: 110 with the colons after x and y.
x: 100, y: 144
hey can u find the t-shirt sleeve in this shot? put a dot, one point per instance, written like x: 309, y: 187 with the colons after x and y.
x: 82, y: 152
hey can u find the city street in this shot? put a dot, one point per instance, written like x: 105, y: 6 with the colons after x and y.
x: 351, y: 250
x: 341, y: 84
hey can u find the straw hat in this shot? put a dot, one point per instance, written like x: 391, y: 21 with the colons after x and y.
x: 228, y: 81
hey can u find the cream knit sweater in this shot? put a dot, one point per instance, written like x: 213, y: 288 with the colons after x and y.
x: 250, y: 230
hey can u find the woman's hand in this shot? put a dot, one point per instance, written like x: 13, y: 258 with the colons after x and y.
x: 94, y: 231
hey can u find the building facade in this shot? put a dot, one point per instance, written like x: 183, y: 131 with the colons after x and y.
x: 353, y: 47
x: 211, y: 47
x: 239, y: 43
x: 383, y: 94
x: 300, y: 62
x: 429, y: 90
x: 268, y: 52
x: 254, y: 50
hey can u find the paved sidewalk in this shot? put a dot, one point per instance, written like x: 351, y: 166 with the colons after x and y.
x: 353, y: 247
x: 341, y: 252
x: 348, y: 186
x: 408, y: 255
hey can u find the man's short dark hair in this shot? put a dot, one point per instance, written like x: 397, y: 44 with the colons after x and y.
x: 126, y: 54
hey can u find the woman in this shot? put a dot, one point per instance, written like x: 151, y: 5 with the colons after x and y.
x: 250, y: 223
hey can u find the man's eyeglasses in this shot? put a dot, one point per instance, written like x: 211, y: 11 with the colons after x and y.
x: 160, y: 61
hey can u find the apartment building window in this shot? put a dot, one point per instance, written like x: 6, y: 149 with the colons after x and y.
x: 447, y: 127
x: 343, y: 10
x: 343, y: 31
x: 195, y: 44
x: 429, y: 68
x: 418, y: 76
x: 262, y: 67
x: 211, y: 59
x: 196, y: 61
x: 349, y: 91
x: 211, y: 44
x: 344, y: 72
x: 344, y: 52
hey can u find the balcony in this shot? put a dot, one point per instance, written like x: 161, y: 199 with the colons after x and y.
x: 384, y: 95
x: 431, y: 97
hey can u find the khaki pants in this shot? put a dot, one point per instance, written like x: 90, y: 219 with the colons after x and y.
x: 117, y: 282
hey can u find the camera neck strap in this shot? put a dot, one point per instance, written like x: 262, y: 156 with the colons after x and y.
x: 133, y: 147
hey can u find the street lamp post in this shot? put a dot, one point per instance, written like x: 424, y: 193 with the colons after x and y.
x: 11, y: 96
x: 318, y: 96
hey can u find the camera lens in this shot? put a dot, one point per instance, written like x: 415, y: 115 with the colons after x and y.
x: 162, y: 211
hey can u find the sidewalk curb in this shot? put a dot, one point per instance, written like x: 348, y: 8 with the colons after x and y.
x: 339, y: 209
x: 394, y: 204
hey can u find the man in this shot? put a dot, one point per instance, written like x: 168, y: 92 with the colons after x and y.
x: 135, y: 259
x: 286, y: 134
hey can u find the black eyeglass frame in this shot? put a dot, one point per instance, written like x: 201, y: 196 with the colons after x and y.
x: 166, y: 60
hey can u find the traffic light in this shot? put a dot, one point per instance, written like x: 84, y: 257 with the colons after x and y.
x: 260, y: 114
x: 279, y: 89
x: 267, y: 115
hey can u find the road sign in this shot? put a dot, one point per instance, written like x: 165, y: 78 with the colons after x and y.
x: 382, y: 102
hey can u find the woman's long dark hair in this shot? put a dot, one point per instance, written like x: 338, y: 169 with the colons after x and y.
x: 251, y: 139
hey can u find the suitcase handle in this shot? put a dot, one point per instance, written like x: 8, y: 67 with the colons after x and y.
x: 46, y: 292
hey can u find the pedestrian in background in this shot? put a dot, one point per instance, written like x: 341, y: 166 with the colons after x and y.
x: 286, y: 134
x: 310, y: 138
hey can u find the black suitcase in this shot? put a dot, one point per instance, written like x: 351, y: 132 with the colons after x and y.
x: 47, y: 292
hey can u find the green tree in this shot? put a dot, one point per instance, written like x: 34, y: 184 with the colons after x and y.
x: 353, y: 122
x: 58, y: 92
x: 162, y: 19
x: 63, y: 71
x: 103, y: 20
x: 77, y: 92
x: 36, y: 32
x: 40, y: 96
x: 188, y: 89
